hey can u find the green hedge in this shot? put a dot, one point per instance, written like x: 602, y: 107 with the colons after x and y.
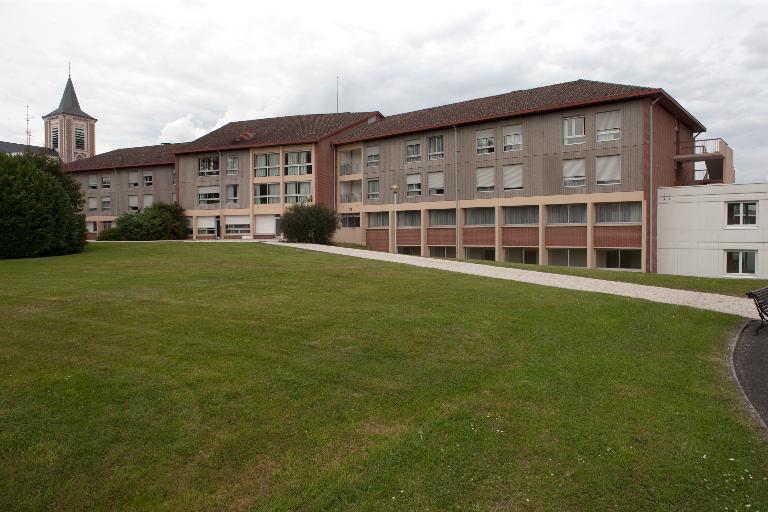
x: 313, y: 223
x: 161, y: 221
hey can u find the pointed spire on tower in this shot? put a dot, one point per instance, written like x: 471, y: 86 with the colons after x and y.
x: 69, y: 103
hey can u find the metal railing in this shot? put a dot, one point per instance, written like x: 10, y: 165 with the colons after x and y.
x: 347, y: 169
x: 350, y: 198
x: 701, y: 147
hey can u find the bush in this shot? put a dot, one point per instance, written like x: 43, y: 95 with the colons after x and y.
x: 313, y: 223
x: 161, y: 221
x: 39, y: 208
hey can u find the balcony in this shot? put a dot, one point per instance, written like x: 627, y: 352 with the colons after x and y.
x: 348, y: 169
x: 715, y: 160
x: 351, y: 198
x: 349, y: 162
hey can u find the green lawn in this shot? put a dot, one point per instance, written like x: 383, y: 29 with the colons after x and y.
x: 248, y: 377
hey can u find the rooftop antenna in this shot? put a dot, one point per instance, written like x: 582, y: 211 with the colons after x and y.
x: 28, y: 133
x: 337, y: 94
x: 69, y: 73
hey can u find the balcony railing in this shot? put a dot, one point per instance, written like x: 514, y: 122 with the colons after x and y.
x: 701, y: 147
x: 350, y: 198
x: 347, y: 169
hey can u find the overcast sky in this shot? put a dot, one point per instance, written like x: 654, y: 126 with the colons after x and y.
x: 169, y: 71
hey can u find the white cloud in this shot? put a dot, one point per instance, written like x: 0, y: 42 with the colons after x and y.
x: 182, y: 129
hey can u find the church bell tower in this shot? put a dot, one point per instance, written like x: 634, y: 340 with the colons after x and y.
x: 69, y: 130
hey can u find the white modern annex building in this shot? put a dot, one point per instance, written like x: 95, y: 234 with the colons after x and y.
x: 715, y: 230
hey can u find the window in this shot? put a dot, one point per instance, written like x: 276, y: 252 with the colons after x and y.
x: 148, y: 178
x: 410, y: 250
x: 206, y: 225
x: 232, y: 193
x: 233, y: 165
x: 442, y: 217
x: 266, y: 193
x: 608, y: 125
x: 567, y: 214
x: 626, y: 259
x: 106, y: 182
x: 208, y: 166
x: 567, y: 257
x: 148, y: 200
x: 350, y: 220
x: 480, y: 253
x: 573, y: 130
x: 90, y: 227
x: 298, y: 191
x: 485, y: 142
x: 479, y: 217
x: 485, y: 178
x: 93, y: 205
x: 740, y: 262
x: 133, y: 203
x: 513, y: 137
x: 133, y: 179
x: 412, y: 151
x: 55, y: 137
x: 742, y: 214
x: 267, y: 165
x: 521, y: 215
x: 614, y: 213
x: 93, y: 182
x: 298, y: 163
x: 208, y: 195
x: 574, y: 173
x: 372, y: 156
x: 80, y: 138
x: 608, y: 169
x: 413, y: 185
x: 409, y: 219
x: 436, y: 148
x: 524, y: 255
x: 436, y: 183
x: 512, y: 176
x: 237, y: 225
x: 373, y: 188
x: 106, y: 204
x: 378, y: 220
x: 445, y: 252
x: 106, y: 224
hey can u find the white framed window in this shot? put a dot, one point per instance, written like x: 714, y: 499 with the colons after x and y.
x: 106, y: 204
x: 233, y: 165
x: 80, y: 138
x: 267, y: 164
x: 485, y: 178
x: 350, y: 220
x: 409, y: 219
x: 521, y: 215
x: 573, y: 130
x: 133, y: 179
x: 233, y: 193
x: 608, y: 126
x: 485, y: 142
x: 619, y: 213
x: 148, y: 200
x: 608, y: 169
x: 741, y: 263
x: 206, y: 225
x: 513, y: 137
x: 93, y: 205
x: 298, y: 191
x: 436, y: 183
x: 574, y: 173
x: 208, y: 195
x: 378, y: 220
x: 148, y: 178
x: 442, y: 217
x: 298, y: 163
x: 372, y: 156
x: 436, y: 151
x: 373, y: 188
x: 567, y: 214
x: 55, y: 137
x: 479, y: 216
x: 237, y: 225
x: 208, y: 166
x: 133, y: 203
x: 90, y: 226
x: 412, y: 151
x: 266, y: 193
x: 413, y: 185
x: 512, y: 177
x: 93, y: 182
x: 106, y: 182
x: 743, y: 213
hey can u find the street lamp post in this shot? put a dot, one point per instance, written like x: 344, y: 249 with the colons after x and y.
x: 395, y: 188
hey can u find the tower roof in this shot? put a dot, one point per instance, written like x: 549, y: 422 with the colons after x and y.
x: 69, y: 103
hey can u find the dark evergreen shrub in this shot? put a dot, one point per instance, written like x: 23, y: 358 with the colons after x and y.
x: 309, y: 223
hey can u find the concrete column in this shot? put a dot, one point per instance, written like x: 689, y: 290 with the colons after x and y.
x: 424, y: 225
x: 497, y: 231
x: 590, y: 235
x: 644, y: 238
x: 194, y: 227
x: 392, y: 228
x: 543, y: 257
x: 459, y: 229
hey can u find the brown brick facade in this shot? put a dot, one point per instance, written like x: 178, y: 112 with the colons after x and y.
x: 377, y: 239
x: 441, y: 236
x: 618, y: 236
x: 520, y: 237
x: 409, y: 236
x: 484, y: 236
x: 566, y: 236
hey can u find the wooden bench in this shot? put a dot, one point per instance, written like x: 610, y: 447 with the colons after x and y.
x: 761, y: 303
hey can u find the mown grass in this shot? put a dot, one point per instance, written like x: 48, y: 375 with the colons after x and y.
x: 252, y: 377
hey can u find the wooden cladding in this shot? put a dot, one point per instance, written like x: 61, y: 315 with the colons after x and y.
x: 377, y: 239
x: 520, y: 237
x: 484, y: 236
x: 566, y: 236
x: 411, y: 236
x: 618, y: 236
x: 441, y: 236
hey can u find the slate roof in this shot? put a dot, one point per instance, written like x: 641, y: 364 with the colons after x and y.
x: 69, y: 103
x: 529, y: 101
x: 13, y: 147
x: 143, y: 156
x: 276, y: 131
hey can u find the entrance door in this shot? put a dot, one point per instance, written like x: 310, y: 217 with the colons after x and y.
x: 218, y: 227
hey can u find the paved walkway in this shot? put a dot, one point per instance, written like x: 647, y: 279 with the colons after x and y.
x: 722, y: 303
x: 749, y: 363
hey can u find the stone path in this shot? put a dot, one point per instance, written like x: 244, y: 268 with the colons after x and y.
x: 721, y: 303
x: 749, y: 364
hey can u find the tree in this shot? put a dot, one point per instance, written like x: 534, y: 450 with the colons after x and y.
x: 39, y: 208
x: 161, y: 221
x: 312, y: 223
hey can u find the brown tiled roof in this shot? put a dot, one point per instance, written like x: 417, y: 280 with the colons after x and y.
x: 144, y: 156
x: 540, y: 99
x: 303, y: 129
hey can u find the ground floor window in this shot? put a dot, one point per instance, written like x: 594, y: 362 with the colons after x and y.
x: 107, y: 224
x: 91, y: 227
x: 568, y: 257
x: 447, y: 252
x: 350, y: 220
x: 206, y: 225
x: 411, y: 250
x: 740, y: 262
x: 238, y: 225
x: 628, y: 259
x: 480, y: 253
x: 527, y: 255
